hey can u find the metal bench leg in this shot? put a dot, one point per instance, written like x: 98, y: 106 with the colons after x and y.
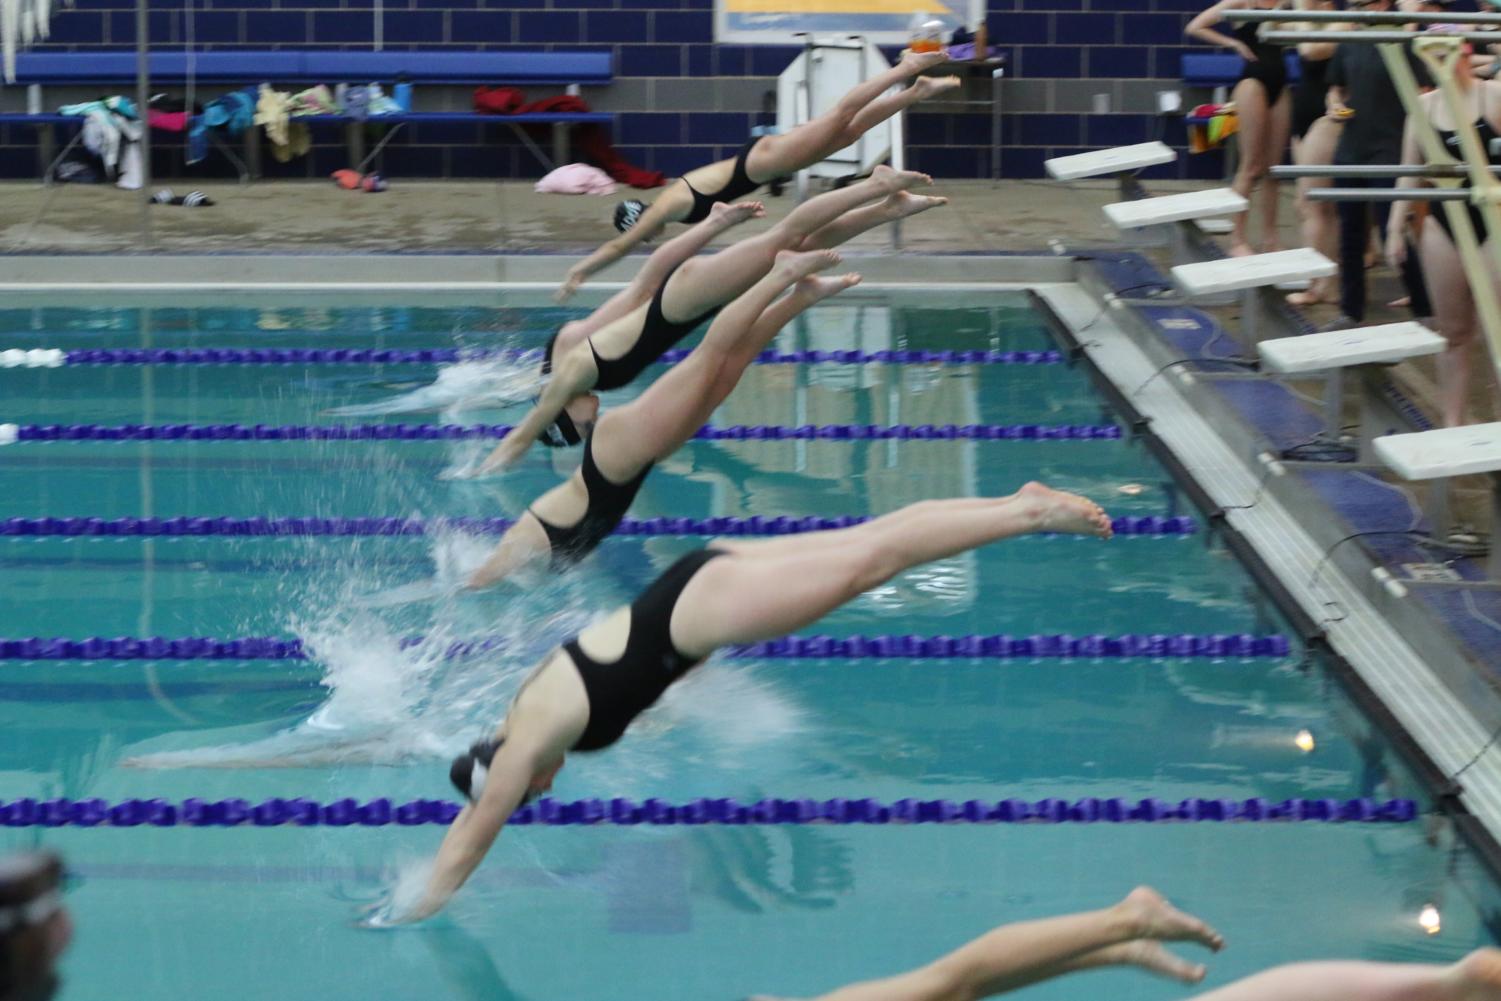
x: 370, y: 158
x: 253, y: 151
x: 526, y: 140
x: 223, y: 147
x: 46, y: 148
x: 354, y: 143
x: 52, y: 164
x: 560, y: 143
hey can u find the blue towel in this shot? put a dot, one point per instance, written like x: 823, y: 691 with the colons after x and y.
x: 234, y: 112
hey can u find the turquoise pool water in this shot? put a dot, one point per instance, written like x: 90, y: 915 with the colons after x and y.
x: 606, y: 913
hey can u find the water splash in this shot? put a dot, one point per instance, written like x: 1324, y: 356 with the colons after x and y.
x: 461, y: 387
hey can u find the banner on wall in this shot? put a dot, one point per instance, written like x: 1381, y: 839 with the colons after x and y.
x: 884, y: 22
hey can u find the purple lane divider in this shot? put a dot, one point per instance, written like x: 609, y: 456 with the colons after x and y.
x: 435, y: 356
x: 1093, y: 646
x: 454, y: 432
x: 1142, y: 526
x: 655, y: 812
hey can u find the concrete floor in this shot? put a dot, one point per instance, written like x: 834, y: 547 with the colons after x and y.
x: 509, y: 217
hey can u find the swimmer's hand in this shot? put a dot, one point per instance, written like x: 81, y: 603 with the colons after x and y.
x: 383, y: 914
x: 406, y: 594
x: 575, y: 278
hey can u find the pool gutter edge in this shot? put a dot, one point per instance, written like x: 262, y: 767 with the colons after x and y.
x: 1475, y: 808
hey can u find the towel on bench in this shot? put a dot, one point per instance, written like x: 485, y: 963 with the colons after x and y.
x: 590, y: 140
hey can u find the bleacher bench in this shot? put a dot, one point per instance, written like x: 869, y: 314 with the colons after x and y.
x: 1217, y: 72
x: 246, y: 67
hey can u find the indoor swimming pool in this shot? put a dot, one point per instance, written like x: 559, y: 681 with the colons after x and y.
x: 672, y: 913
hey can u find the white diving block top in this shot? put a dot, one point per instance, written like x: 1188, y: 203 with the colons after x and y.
x: 1231, y: 274
x: 1103, y: 162
x: 1383, y: 345
x: 1174, y: 208
x: 1429, y: 455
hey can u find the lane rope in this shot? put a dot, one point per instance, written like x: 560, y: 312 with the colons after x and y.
x: 58, y: 358
x: 817, y: 647
x: 1128, y: 526
x: 12, y: 433
x: 655, y: 812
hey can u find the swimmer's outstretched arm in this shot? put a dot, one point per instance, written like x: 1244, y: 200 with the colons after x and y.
x: 671, y: 205
x: 573, y: 374
x: 476, y: 827
x: 1015, y: 955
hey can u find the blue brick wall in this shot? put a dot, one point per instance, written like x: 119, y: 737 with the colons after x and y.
x: 681, y: 99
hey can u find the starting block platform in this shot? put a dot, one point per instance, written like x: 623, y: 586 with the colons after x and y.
x: 1249, y: 276
x: 1447, y: 452
x: 1190, y: 205
x: 1114, y: 162
x: 1367, y: 350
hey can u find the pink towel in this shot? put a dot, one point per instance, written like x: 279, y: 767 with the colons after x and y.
x: 576, y: 179
x: 169, y: 121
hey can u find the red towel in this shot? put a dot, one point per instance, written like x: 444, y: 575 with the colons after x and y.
x: 590, y: 140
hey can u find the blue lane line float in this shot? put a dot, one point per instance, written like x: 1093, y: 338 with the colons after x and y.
x: 1142, y: 526
x: 656, y: 812
x: 452, y: 432
x: 54, y: 358
x: 1094, y: 646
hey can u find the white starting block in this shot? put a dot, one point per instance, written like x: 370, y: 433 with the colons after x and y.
x: 1249, y: 276
x: 1367, y: 350
x: 1107, y: 162
x: 1174, y: 208
x: 1432, y: 455
x: 1173, y: 214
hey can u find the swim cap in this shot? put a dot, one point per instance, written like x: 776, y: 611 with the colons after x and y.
x: 561, y: 433
x: 628, y: 213
x: 468, y: 771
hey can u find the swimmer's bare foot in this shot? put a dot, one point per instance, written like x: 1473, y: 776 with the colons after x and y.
x: 811, y: 290
x: 734, y: 215
x: 916, y: 62
x: 898, y: 180
x: 1241, y: 250
x: 903, y: 204
x: 1153, y: 958
x: 1151, y: 916
x: 1056, y: 511
x: 926, y: 86
x: 1477, y: 977
x: 794, y: 265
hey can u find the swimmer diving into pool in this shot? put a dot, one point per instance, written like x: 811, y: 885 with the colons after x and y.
x: 765, y: 158
x: 585, y: 694
x: 570, y: 521
x: 614, y: 353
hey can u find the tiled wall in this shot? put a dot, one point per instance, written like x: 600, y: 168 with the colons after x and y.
x: 681, y: 100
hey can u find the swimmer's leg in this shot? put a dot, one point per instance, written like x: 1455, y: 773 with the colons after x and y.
x: 706, y: 282
x: 852, y: 224
x: 767, y: 590
x: 1015, y: 955
x: 523, y: 543
x: 673, y: 408
x: 859, y: 110
x: 1477, y: 977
